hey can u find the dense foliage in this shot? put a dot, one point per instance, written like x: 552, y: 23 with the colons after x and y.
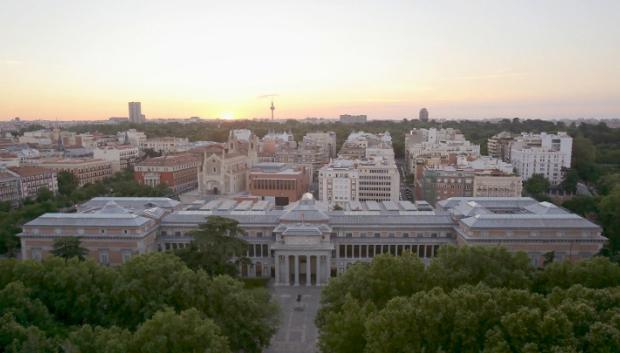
x: 216, y: 247
x: 153, y: 303
x: 472, y: 299
x: 121, y: 184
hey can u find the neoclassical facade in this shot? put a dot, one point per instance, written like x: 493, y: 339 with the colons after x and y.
x: 306, y: 243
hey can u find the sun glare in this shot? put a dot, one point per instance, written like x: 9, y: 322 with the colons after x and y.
x: 227, y: 116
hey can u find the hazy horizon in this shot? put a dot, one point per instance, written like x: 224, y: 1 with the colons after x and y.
x: 83, y: 60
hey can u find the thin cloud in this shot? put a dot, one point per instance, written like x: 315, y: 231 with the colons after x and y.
x: 10, y: 62
x: 490, y: 76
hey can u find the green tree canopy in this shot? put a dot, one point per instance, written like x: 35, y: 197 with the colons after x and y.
x: 536, y: 186
x: 68, y: 247
x: 187, y: 331
x: 217, y: 247
x: 67, y: 183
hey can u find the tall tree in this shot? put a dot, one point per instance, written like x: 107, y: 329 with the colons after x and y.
x: 68, y: 247
x: 217, y: 247
x: 67, y: 183
x: 187, y: 331
x: 536, y: 186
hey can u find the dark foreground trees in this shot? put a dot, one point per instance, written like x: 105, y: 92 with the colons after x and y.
x: 472, y: 300
x: 153, y: 303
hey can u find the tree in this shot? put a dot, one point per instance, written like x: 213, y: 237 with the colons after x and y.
x: 44, y: 194
x: 68, y: 247
x: 569, y: 184
x: 217, y: 247
x: 584, y: 156
x: 344, y: 330
x: 609, y: 209
x: 536, y: 186
x: 493, y: 266
x: 187, y: 331
x: 67, y: 183
x: 598, y: 272
x: 98, y: 340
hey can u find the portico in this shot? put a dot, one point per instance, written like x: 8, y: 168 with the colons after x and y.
x: 301, y: 268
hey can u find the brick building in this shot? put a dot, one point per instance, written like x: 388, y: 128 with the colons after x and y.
x: 179, y: 172
x: 286, y: 183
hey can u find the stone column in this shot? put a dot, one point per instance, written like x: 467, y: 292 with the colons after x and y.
x: 308, y: 278
x: 328, y: 268
x: 287, y: 270
x: 318, y: 270
x: 277, y: 258
x: 296, y: 270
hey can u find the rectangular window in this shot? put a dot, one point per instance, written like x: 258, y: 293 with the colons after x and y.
x: 36, y: 254
x: 343, y: 251
x: 356, y: 251
x: 259, y: 252
x: 126, y: 255
x: 364, y: 253
x: 265, y: 250
x: 104, y: 257
x: 371, y: 251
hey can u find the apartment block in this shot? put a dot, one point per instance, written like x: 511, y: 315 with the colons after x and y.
x: 88, y: 171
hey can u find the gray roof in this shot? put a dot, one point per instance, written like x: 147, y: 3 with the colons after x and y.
x: 88, y: 220
x: 492, y: 202
x: 198, y: 217
x: 396, y: 219
x: 305, y: 210
x: 302, y: 230
x: 129, y: 203
x: 529, y: 221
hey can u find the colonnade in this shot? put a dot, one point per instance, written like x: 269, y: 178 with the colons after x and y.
x: 289, y: 269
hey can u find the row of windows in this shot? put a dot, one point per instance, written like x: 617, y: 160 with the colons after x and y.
x: 274, y: 184
x: 349, y: 251
x: 391, y: 235
x: 258, y: 250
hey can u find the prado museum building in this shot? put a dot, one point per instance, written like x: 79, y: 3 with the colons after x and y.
x: 305, y: 243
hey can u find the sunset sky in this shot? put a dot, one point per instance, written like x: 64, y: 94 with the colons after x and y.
x: 85, y: 59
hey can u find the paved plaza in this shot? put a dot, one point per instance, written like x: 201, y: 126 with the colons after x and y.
x: 297, y: 332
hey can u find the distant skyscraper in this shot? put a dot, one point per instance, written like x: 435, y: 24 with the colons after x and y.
x: 135, y: 112
x: 423, y: 114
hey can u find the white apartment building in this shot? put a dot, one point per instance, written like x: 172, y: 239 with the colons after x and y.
x: 443, y: 142
x: 545, y: 154
x: 360, y: 144
x: 343, y: 180
x: 166, y: 144
x: 121, y: 156
x: 327, y: 140
x: 132, y: 136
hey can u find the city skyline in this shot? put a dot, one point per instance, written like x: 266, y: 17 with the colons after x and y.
x: 74, y: 60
